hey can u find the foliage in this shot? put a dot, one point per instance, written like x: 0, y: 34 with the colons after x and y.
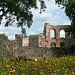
x: 63, y: 50
x: 44, y: 66
x: 62, y: 44
x: 3, y: 36
x: 70, y: 49
x: 69, y: 6
x: 18, y: 10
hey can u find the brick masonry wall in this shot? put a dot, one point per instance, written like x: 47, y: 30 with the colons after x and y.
x: 12, y: 49
x: 7, y: 47
x: 34, y: 52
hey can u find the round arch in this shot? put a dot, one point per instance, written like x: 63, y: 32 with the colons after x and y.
x: 53, y: 44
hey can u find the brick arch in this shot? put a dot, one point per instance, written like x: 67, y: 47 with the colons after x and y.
x: 62, y: 29
x: 48, y: 27
x: 53, y: 44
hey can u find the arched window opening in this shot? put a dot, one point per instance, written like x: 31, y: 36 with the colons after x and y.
x: 62, y: 44
x: 53, y: 44
x: 52, y: 33
x: 62, y: 33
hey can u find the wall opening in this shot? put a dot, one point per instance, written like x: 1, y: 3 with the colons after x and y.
x: 53, y: 44
x: 62, y: 33
x: 52, y: 33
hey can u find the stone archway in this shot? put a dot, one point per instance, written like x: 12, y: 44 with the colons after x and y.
x: 57, y: 29
x: 53, y: 44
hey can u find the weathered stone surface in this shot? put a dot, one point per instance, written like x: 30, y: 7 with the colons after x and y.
x: 39, y: 44
x: 44, y: 40
x: 11, y: 49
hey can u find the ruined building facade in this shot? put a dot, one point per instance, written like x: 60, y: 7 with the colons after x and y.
x: 44, y: 39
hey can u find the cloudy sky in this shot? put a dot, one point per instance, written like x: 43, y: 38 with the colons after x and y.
x: 53, y: 15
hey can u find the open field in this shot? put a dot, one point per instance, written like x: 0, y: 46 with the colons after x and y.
x: 43, y: 66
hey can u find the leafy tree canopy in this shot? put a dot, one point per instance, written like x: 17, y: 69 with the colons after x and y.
x: 17, y: 10
x: 69, y: 6
x: 20, y: 10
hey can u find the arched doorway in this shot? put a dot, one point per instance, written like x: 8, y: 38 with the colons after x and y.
x: 53, y: 44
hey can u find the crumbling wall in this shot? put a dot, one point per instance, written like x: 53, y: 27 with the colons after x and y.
x: 7, y: 47
x: 11, y: 49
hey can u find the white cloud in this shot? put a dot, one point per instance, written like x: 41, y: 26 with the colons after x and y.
x: 10, y: 31
x: 53, y: 15
x: 31, y: 33
x: 42, y: 17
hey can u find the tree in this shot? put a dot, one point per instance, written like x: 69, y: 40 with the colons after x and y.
x: 69, y: 6
x: 18, y: 10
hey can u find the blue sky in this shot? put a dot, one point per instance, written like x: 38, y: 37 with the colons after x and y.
x: 53, y: 15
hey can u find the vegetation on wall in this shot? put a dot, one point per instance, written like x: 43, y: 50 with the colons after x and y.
x: 3, y: 36
x: 69, y: 6
x: 20, y: 10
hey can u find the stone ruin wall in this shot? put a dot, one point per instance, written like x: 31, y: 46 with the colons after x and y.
x: 57, y: 40
x: 14, y: 48
x: 33, y: 41
x: 25, y: 41
x: 45, y: 40
x: 8, y: 47
x: 11, y: 49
